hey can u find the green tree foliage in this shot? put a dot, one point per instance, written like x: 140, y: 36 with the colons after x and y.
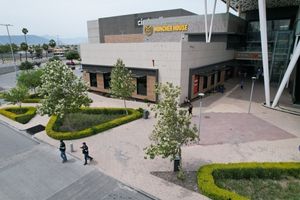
x: 23, y: 46
x: 70, y: 55
x: 54, y: 58
x: 173, y: 128
x: 62, y: 91
x: 121, y: 84
x: 52, y: 43
x: 16, y: 95
x: 25, y: 31
x: 26, y: 65
x: 30, y: 79
x: 5, y: 48
x: 46, y: 47
x: 38, y: 52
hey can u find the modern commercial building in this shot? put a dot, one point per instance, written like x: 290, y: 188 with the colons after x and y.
x: 177, y: 46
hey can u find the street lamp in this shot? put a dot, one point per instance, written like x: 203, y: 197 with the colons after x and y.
x: 200, y: 95
x: 253, y: 81
x: 11, y: 49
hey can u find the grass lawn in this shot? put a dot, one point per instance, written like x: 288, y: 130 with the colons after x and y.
x: 287, y: 188
x: 79, y: 121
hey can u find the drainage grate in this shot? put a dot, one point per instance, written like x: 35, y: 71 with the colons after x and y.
x: 35, y: 129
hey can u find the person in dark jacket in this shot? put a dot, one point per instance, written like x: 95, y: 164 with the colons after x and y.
x: 190, y: 109
x: 62, y: 149
x: 85, y: 152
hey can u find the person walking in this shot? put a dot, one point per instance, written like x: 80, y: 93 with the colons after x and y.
x: 62, y: 149
x: 85, y: 152
x: 190, y: 109
x: 242, y: 84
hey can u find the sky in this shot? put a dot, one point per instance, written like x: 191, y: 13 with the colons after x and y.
x: 67, y: 18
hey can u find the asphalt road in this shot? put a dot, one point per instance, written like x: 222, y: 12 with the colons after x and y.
x: 8, y: 80
x: 33, y: 171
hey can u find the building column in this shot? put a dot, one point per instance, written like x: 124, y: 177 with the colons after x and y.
x: 227, y: 5
x: 287, y: 74
x: 264, y: 47
x: 205, y: 18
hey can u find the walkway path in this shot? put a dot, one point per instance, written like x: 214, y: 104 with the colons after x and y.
x: 29, y: 171
x: 119, y: 151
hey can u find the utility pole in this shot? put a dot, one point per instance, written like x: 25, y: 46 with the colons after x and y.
x: 11, y: 49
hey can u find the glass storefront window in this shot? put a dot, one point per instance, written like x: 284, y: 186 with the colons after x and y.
x: 212, y: 79
x: 204, y: 82
x: 281, y: 25
x: 141, y: 84
x: 106, y: 79
x: 93, y: 79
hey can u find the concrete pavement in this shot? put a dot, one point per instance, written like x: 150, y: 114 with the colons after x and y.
x: 29, y: 171
x: 119, y: 151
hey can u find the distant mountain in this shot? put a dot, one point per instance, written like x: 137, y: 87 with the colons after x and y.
x: 63, y: 40
x: 18, y: 39
x: 34, y: 39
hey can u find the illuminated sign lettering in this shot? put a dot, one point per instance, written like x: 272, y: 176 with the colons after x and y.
x: 165, y: 28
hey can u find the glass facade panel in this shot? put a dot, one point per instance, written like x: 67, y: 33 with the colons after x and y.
x: 204, y: 82
x: 212, y: 79
x: 141, y: 84
x: 93, y: 79
x: 106, y: 80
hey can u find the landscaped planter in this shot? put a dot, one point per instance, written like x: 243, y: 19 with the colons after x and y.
x: 33, y: 98
x: 24, y: 117
x: 209, y: 173
x: 69, y: 135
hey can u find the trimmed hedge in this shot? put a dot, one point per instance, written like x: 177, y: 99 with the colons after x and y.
x: 132, y: 115
x: 21, y: 118
x: 206, y: 175
x: 33, y: 98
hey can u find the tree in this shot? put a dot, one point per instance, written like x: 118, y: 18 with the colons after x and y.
x: 25, y: 31
x: 30, y: 79
x: 52, y: 43
x: 24, y: 47
x: 70, y: 55
x: 46, y: 47
x: 62, y: 91
x: 173, y: 127
x: 26, y: 65
x: 54, y: 58
x: 121, y: 84
x: 38, y: 51
x: 16, y: 95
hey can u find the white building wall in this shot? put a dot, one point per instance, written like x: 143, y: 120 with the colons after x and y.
x: 196, y: 54
x: 93, y: 31
x: 166, y: 56
x: 172, y: 59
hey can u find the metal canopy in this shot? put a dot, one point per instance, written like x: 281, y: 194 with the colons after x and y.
x: 246, y: 5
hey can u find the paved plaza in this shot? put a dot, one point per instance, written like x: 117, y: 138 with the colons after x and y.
x: 228, y: 134
x: 30, y: 170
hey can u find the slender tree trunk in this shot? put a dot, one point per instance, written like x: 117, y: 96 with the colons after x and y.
x: 27, y: 47
x: 125, y: 106
x: 180, y: 160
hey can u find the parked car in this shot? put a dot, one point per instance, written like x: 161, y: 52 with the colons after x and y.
x: 70, y: 63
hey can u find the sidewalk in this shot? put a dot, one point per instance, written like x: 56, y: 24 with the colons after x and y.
x: 119, y: 151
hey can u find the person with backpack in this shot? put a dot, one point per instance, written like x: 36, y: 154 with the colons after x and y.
x: 85, y: 152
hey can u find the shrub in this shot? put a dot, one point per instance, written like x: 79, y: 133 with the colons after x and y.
x: 26, y: 116
x: 207, y: 174
x: 26, y: 65
x: 33, y: 98
x: 52, y: 125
